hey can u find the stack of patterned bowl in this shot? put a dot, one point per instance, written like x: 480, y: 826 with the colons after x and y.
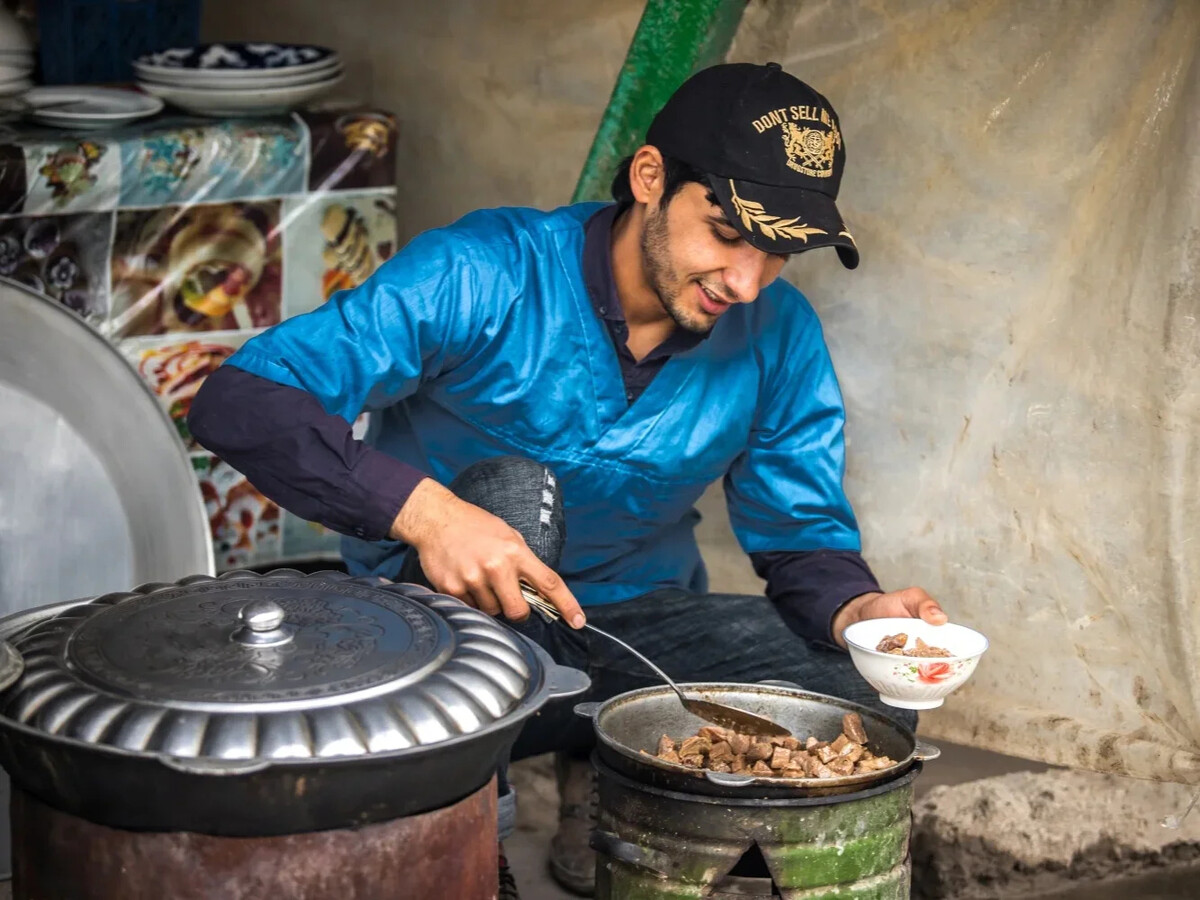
x: 239, y: 79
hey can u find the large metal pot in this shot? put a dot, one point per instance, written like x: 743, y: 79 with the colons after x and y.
x: 629, y: 725
x: 265, y: 704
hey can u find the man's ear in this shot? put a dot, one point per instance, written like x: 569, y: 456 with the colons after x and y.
x: 647, y: 175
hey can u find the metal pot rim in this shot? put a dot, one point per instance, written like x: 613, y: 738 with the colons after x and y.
x: 596, y: 712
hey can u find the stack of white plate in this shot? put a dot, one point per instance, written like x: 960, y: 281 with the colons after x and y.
x: 16, y: 56
x: 239, y: 79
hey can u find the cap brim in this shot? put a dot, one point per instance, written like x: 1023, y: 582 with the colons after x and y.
x: 784, y: 220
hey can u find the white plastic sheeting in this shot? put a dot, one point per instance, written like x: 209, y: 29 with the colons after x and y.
x: 1020, y: 350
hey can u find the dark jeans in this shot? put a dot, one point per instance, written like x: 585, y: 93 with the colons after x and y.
x: 692, y: 637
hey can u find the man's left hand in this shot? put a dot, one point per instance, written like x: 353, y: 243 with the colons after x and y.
x: 910, y: 603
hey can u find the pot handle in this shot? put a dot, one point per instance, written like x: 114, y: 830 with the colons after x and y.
x: 631, y: 854
x: 587, y: 710
x: 566, y: 682
x: 925, y: 751
x: 729, y: 779
x: 215, y: 767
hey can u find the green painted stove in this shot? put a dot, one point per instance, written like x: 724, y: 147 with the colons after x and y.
x: 657, y: 844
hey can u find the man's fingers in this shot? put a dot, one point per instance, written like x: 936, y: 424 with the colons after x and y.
x: 508, y: 593
x: 484, y: 599
x: 550, y: 586
x: 932, y: 612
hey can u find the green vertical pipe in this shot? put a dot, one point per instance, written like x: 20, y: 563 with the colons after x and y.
x: 673, y: 39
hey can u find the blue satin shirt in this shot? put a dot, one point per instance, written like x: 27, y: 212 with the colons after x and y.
x: 479, y: 339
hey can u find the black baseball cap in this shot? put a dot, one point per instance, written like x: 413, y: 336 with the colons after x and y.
x: 772, y: 150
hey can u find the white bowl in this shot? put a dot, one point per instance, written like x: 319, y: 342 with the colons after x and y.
x: 910, y: 682
x: 240, y: 101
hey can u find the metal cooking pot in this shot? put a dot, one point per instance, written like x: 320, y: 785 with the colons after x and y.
x: 629, y: 725
x: 254, y: 705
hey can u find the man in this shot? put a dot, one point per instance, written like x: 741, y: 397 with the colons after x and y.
x: 635, y: 353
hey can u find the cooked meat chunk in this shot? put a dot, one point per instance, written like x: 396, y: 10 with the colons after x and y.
x: 694, y: 746
x: 759, y: 750
x: 875, y: 763
x: 720, y: 752
x: 842, y: 766
x: 852, y: 727
x: 895, y: 643
x: 725, y: 750
x: 854, y: 752
x: 892, y: 642
x: 925, y: 651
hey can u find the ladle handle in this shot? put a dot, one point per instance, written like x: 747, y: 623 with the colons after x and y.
x: 550, y: 613
x: 661, y: 674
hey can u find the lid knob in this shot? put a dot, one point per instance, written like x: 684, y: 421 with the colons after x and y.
x: 261, y: 615
x: 262, y: 624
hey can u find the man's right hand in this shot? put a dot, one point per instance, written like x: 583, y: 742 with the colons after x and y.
x: 470, y: 554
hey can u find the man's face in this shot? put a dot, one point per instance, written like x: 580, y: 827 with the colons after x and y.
x: 698, y: 263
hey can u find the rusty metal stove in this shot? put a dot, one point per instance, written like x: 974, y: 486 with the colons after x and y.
x: 449, y: 852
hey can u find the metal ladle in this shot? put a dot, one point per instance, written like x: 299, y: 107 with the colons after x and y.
x: 1177, y: 821
x: 717, y: 713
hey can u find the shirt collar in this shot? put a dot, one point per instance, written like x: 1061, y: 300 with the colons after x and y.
x: 602, y: 286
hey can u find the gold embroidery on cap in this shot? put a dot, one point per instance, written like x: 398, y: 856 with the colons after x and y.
x: 810, y: 150
x: 848, y: 235
x: 772, y: 226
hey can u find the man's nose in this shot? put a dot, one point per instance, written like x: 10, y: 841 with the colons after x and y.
x: 746, y: 275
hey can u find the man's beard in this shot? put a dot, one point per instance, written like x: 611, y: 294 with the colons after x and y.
x: 656, y: 259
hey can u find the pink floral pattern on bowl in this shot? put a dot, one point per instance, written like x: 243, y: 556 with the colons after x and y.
x: 926, y: 673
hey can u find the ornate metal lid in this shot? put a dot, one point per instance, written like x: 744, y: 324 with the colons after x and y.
x: 11, y: 665
x: 272, y: 667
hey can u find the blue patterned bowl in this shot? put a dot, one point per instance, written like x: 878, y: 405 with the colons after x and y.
x: 238, y: 57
